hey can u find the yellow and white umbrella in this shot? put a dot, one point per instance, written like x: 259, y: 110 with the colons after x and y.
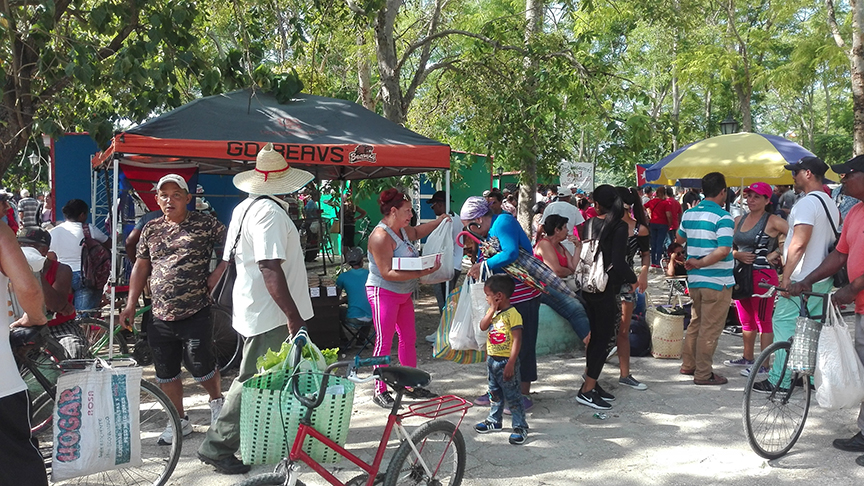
x: 743, y: 158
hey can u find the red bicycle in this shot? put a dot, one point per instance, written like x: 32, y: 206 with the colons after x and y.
x: 434, y: 454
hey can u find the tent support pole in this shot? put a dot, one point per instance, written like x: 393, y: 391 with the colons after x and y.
x: 447, y: 211
x: 341, y: 215
x: 114, y: 204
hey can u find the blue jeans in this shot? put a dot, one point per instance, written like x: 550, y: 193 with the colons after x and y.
x: 568, y: 308
x: 84, y: 298
x: 658, y: 234
x: 501, y: 390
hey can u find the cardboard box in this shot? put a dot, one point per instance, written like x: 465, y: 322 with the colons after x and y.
x: 416, y: 263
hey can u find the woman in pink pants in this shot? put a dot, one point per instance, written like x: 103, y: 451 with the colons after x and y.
x: 389, y: 290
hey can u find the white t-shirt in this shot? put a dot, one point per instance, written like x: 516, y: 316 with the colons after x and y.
x: 569, y: 211
x: 809, y: 211
x: 268, y: 234
x: 66, y: 241
x: 10, y: 380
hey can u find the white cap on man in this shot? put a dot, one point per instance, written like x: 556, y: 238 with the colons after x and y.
x: 176, y: 179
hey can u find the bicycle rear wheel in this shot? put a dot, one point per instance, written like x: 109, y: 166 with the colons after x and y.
x: 97, y: 333
x: 442, y: 449
x: 227, y: 343
x: 155, y: 413
x: 773, y: 420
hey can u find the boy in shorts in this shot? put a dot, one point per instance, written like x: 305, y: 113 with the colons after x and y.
x: 503, y: 342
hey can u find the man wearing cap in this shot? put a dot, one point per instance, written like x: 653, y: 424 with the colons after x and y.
x: 808, y: 242
x: 66, y: 241
x: 562, y: 207
x: 849, y: 252
x: 438, y: 204
x: 495, y: 200
x: 28, y: 210
x: 174, y: 252
x: 358, y: 315
x: 57, y: 290
x: 271, y: 291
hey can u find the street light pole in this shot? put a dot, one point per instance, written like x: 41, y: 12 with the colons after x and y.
x: 500, y: 177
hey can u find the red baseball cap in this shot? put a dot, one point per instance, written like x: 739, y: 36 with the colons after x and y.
x: 760, y: 188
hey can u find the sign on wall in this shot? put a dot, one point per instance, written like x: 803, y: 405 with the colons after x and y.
x: 579, y: 173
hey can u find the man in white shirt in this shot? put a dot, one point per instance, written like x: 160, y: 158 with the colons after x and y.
x: 562, y: 207
x: 807, y: 244
x: 271, y: 295
x: 66, y: 241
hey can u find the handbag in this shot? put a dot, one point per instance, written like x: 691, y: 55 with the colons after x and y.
x: 221, y: 294
x: 743, y: 274
x: 841, y: 278
x: 441, y: 348
x: 440, y: 241
x: 839, y: 376
x: 96, y: 423
x: 591, y: 272
x: 461, y: 334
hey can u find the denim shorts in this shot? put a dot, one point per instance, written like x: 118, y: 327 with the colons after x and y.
x: 188, y: 340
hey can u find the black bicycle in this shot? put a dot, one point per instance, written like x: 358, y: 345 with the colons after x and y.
x: 41, y: 360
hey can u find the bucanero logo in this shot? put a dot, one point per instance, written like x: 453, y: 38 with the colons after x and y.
x: 363, y: 153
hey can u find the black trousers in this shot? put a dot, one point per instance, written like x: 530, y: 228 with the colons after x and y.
x: 603, y: 315
x: 21, y: 463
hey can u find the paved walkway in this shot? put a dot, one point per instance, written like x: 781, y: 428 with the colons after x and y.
x: 674, y: 433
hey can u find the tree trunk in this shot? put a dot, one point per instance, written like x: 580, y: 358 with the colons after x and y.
x: 856, y: 60
x: 708, y: 113
x: 388, y: 62
x: 364, y: 77
x: 528, y: 163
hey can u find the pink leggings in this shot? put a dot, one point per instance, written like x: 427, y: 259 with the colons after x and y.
x: 755, y: 312
x: 393, y: 312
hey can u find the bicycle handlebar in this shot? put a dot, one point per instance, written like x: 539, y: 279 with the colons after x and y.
x: 312, y: 403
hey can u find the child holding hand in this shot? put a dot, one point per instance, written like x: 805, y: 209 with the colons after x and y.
x: 502, y: 347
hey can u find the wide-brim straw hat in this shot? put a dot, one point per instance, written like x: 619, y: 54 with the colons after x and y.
x: 272, y: 175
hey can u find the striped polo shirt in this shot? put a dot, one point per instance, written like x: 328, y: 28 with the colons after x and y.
x: 707, y: 227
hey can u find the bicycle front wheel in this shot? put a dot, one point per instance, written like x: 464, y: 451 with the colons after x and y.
x: 775, y: 411
x: 156, y: 412
x: 227, y: 343
x: 439, y: 458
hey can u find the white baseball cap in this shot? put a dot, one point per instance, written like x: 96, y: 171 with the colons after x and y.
x: 176, y: 179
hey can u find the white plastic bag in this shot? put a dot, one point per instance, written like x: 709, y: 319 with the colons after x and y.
x: 839, y: 376
x: 479, y: 306
x: 461, y: 335
x: 440, y: 241
x: 96, y: 421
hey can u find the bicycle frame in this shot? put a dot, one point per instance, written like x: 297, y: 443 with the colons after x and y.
x: 433, y: 408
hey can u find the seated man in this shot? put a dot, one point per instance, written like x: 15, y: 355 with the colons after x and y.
x: 353, y: 282
x: 57, y: 290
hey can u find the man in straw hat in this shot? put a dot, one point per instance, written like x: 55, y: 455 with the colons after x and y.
x: 271, y: 288
x: 174, y: 252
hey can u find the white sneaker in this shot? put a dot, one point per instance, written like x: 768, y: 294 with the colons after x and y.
x: 167, y: 437
x: 216, y: 409
x: 612, y: 352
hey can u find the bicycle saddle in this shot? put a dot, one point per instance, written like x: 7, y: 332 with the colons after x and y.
x: 24, y: 336
x: 402, y: 376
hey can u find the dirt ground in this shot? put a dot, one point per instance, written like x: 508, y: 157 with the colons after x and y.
x: 674, y: 433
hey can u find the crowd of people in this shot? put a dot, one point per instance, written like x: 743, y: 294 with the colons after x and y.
x: 795, y: 238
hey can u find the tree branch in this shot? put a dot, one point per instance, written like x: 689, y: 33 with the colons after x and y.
x: 352, y: 5
x: 835, y: 30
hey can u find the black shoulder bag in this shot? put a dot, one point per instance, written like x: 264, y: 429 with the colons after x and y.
x: 841, y: 278
x: 221, y: 293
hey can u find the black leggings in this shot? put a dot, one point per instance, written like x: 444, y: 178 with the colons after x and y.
x: 603, y: 314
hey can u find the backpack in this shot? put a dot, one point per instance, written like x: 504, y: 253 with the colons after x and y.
x: 95, y: 261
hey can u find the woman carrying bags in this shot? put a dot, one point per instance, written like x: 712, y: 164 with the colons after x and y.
x: 755, y: 243
x: 390, y: 290
x: 602, y: 307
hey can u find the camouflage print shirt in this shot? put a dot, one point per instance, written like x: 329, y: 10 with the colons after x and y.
x: 179, y: 256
